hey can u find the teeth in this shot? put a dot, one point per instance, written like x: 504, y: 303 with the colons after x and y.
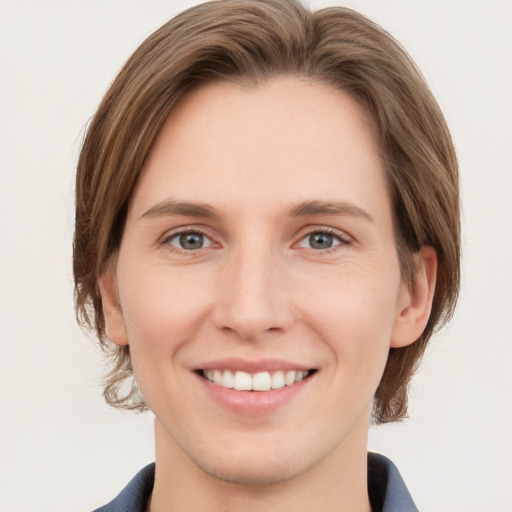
x: 243, y: 381
x: 228, y: 380
x: 290, y: 378
x: 278, y: 380
x: 261, y: 381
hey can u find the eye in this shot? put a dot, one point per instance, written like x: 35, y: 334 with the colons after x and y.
x: 189, y: 241
x: 321, y: 241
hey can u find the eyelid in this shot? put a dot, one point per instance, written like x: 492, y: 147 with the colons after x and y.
x: 183, y: 230
x: 344, y: 238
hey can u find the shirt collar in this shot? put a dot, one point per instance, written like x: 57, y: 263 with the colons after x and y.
x: 386, y: 489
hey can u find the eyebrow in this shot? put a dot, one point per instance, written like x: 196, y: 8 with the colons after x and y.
x: 312, y: 208
x: 170, y: 207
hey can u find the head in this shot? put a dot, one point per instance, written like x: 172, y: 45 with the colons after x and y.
x: 251, y: 43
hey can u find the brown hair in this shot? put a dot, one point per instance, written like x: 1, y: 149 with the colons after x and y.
x: 250, y: 41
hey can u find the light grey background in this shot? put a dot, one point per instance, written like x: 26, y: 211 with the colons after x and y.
x: 61, y: 448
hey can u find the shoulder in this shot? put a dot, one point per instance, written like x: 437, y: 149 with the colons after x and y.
x: 386, y: 488
x: 134, y: 497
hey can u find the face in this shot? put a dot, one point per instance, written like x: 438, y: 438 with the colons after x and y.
x: 257, y: 282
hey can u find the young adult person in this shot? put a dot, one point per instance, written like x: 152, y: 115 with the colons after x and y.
x: 267, y: 235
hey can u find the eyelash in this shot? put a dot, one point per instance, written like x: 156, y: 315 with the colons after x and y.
x: 187, y: 231
x: 344, y: 240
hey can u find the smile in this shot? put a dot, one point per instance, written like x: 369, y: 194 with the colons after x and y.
x: 260, y: 381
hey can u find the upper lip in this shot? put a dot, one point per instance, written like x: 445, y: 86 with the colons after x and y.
x: 252, y: 366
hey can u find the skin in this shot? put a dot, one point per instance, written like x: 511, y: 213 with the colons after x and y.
x: 259, y: 289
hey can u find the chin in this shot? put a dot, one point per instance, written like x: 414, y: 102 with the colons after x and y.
x: 249, y: 472
x: 252, y: 464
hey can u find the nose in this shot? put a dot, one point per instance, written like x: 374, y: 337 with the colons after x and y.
x: 252, y: 298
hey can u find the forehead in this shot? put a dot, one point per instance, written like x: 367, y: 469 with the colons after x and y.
x: 288, y: 139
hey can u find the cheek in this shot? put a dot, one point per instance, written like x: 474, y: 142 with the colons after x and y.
x: 163, y: 312
x: 354, y: 315
x: 358, y: 299
x: 163, y: 308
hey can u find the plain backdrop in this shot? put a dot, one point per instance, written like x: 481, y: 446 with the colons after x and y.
x: 61, y: 447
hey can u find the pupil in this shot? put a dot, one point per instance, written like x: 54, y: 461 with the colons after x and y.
x: 321, y: 241
x: 191, y: 241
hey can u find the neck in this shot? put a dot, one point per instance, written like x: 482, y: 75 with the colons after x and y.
x: 338, y: 483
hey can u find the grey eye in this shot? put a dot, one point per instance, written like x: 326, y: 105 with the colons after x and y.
x: 321, y: 241
x: 191, y: 241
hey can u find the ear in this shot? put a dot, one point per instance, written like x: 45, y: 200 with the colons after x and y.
x: 415, y: 304
x: 115, y: 328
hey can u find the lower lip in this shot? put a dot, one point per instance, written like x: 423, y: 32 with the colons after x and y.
x: 253, y: 403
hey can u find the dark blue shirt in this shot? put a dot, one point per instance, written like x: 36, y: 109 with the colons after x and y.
x: 386, y: 489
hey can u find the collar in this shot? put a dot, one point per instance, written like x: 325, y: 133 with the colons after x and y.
x: 386, y: 489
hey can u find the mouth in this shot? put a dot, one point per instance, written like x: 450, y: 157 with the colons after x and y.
x: 258, y: 381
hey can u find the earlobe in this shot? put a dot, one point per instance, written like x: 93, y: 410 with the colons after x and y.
x: 415, y: 304
x: 114, y: 321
